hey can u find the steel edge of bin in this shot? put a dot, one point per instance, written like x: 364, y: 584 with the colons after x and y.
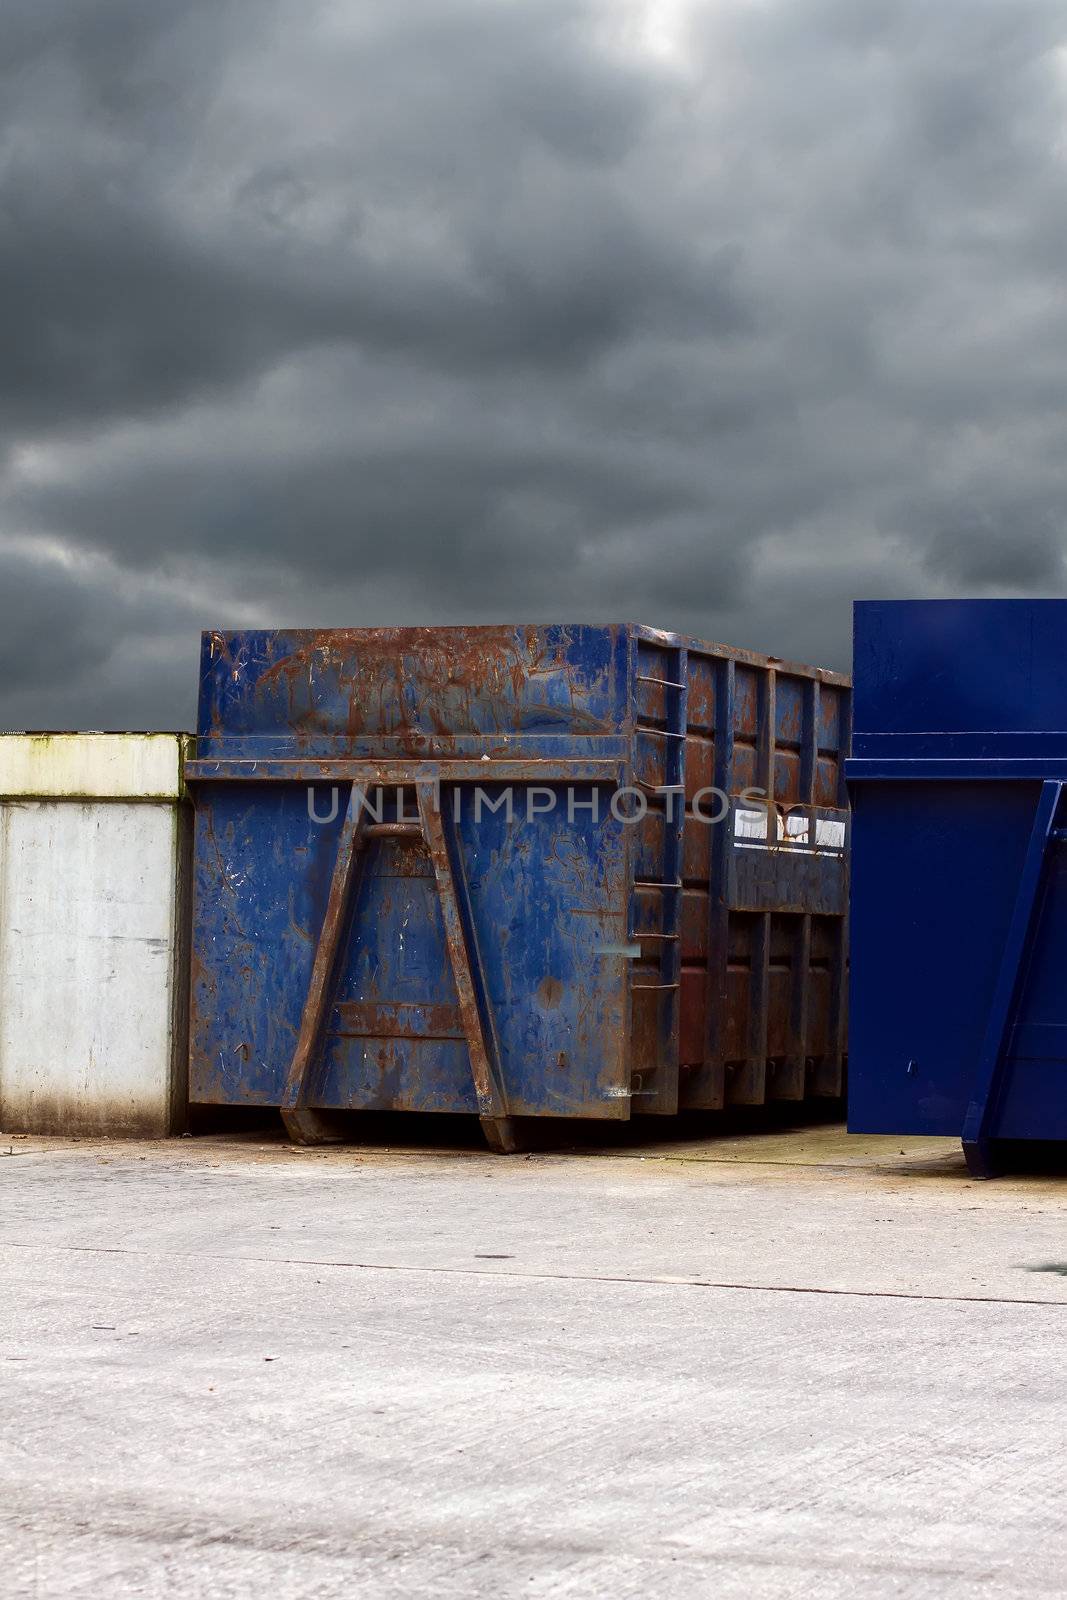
x: 456, y: 707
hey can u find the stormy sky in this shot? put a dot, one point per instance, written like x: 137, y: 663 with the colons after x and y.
x: 711, y: 314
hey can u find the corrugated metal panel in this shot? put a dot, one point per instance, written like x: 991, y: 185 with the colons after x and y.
x: 755, y: 937
x: 551, y: 963
x: 93, y: 937
x: 120, y: 766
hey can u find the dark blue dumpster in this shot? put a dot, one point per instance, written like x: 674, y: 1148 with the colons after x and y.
x: 959, y: 896
x: 514, y: 871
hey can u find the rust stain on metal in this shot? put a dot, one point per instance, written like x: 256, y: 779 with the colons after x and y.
x: 549, y: 993
x: 398, y: 1019
x: 493, y: 665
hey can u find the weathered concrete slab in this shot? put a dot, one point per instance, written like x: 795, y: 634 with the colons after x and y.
x: 231, y: 1368
x: 94, y: 957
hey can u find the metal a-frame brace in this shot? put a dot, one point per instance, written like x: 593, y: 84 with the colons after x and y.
x: 307, y: 1125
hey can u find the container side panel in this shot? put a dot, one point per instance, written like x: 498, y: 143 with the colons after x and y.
x: 935, y: 871
x: 261, y: 876
x: 964, y: 666
x: 87, y: 954
x: 789, y: 733
x: 784, y: 877
x: 311, y: 691
x: 775, y: 877
x: 395, y: 1039
x: 1033, y: 1103
x: 548, y: 902
x: 547, y: 895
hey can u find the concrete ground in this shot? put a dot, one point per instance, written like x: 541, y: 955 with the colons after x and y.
x: 788, y: 1365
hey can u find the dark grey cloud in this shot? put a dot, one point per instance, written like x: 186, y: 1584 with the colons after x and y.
x: 79, y: 633
x: 351, y: 312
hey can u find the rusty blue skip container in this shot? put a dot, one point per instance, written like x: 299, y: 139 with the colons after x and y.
x: 959, y: 906
x: 418, y: 886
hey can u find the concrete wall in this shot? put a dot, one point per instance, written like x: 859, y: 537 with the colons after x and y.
x: 94, y: 861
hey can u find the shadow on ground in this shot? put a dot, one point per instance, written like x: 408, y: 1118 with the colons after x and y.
x: 415, y: 1131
